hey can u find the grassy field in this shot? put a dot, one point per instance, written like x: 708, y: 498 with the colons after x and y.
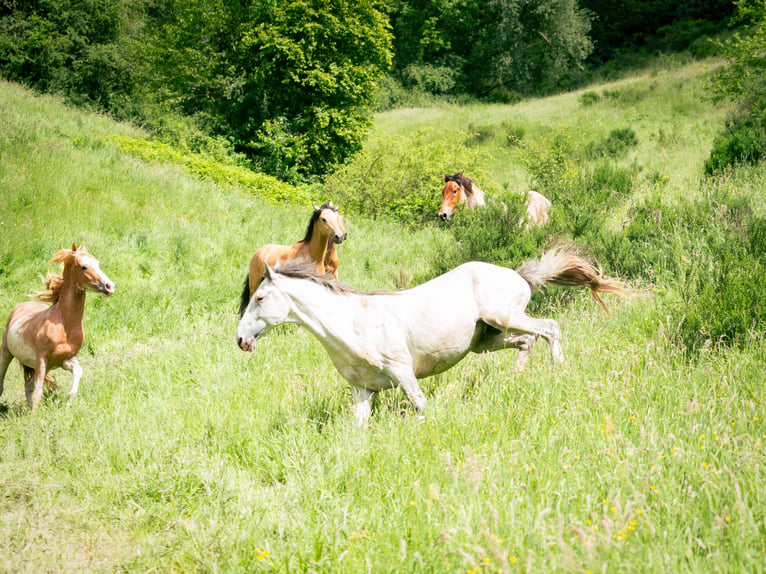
x: 183, y: 454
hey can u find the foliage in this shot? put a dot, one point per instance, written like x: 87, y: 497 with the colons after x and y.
x: 401, y: 178
x: 743, y: 79
x: 264, y: 186
x: 742, y: 141
x: 616, y: 143
x: 624, y: 26
x: 496, y: 47
x: 292, y: 84
x: 67, y: 47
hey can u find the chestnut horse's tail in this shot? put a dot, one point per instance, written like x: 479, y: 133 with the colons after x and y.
x: 564, y: 267
x: 245, y: 298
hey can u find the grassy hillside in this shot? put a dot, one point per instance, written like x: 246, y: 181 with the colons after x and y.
x: 182, y: 453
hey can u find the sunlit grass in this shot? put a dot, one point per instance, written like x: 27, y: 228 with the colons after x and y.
x: 181, y: 453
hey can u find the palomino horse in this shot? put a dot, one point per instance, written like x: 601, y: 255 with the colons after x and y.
x: 324, y: 231
x: 460, y: 189
x: 383, y: 340
x: 43, y: 337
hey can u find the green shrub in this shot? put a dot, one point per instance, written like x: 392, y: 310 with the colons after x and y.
x: 401, y: 177
x: 589, y: 98
x: 265, y: 186
x: 616, y: 144
x: 494, y: 233
x: 743, y: 141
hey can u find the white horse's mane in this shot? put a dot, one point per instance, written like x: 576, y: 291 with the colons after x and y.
x: 303, y: 269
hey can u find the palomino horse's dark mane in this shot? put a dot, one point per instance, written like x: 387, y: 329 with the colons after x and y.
x: 54, y: 282
x: 302, y: 269
x: 465, y: 182
x: 315, y: 217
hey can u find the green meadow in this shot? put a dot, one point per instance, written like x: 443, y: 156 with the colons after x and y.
x: 181, y: 453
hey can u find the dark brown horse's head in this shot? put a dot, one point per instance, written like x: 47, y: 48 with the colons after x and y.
x: 327, y: 222
x: 455, y: 191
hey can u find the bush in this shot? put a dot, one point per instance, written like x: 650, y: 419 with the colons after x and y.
x: 616, y: 144
x: 401, y: 178
x: 589, y: 98
x: 494, y: 233
x: 743, y: 141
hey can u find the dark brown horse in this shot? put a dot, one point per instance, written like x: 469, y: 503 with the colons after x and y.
x: 325, y: 229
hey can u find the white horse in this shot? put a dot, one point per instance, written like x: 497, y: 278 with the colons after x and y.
x: 383, y: 340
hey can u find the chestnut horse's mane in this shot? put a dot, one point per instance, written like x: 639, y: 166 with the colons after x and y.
x: 465, y: 182
x: 53, y: 282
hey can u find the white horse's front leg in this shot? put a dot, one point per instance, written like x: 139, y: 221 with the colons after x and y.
x: 361, y: 404
x: 73, y: 366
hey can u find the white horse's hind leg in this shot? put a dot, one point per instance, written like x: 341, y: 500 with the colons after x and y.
x: 499, y: 340
x: 411, y: 389
x: 361, y: 404
x: 548, y: 329
x: 73, y: 366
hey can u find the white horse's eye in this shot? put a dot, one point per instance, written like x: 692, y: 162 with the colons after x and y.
x: 259, y: 298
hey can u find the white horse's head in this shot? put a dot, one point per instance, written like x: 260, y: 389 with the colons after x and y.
x: 268, y: 308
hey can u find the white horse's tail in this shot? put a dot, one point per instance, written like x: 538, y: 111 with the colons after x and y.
x: 566, y: 268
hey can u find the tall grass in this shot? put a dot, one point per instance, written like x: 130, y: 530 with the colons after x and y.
x: 181, y: 453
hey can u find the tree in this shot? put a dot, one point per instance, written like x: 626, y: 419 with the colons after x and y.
x: 66, y: 47
x: 291, y: 83
x: 477, y: 46
x: 743, y: 79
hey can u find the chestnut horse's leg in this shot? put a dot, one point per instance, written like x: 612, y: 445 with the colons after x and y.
x: 5, y: 360
x: 34, y: 385
x: 73, y: 366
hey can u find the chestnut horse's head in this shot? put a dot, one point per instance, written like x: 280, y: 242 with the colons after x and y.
x: 453, y: 194
x: 84, y: 270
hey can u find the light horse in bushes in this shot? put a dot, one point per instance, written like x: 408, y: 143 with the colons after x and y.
x: 460, y: 189
x: 325, y: 230
x: 46, y: 337
x: 383, y: 340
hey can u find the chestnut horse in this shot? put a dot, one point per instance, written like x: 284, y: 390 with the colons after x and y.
x: 460, y: 189
x: 324, y: 231
x: 43, y: 337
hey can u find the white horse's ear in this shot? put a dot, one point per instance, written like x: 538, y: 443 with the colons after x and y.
x: 330, y: 204
x: 267, y: 271
x: 314, y: 206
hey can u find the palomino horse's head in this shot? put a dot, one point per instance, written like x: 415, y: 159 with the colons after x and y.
x: 453, y: 194
x: 268, y: 308
x: 327, y: 222
x: 83, y: 270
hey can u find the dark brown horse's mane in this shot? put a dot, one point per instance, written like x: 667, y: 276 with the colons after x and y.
x: 314, y: 218
x: 304, y: 269
x: 465, y: 182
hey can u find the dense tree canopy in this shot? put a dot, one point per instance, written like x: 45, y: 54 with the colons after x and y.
x: 292, y: 83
